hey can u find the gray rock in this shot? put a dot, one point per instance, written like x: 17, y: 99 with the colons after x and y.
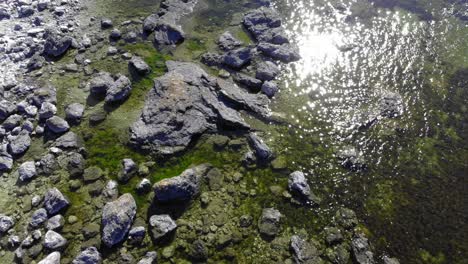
x: 55, y: 222
x: 267, y: 71
x: 54, y: 201
x: 7, y: 108
x: 119, y: 90
x: 269, y: 222
x: 211, y: 59
x: 115, y: 34
x: 4, y: 14
x: 54, y: 240
x: 100, y: 83
x: 6, y: 161
x: 144, y: 186
x: 269, y: 88
x: 106, y: 23
x: 150, y: 22
x: 27, y: 170
x: 137, y: 234
x: 149, y: 258
x: 250, y: 82
x: 262, y: 151
x: 56, y: 44
x: 285, y: 52
x: 12, y: 121
x: 57, y: 125
x: 74, y: 112
x: 20, y: 144
x: 6, y: 223
x: 168, y: 33
x: 47, y: 111
x: 139, y: 65
x: 52, y: 258
x: 88, y: 256
x: 111, y: 190
x: 361, y: 250
x: 181, y: 188
x: 47, y: 164
x: 92, y: 174
x: 303, y: 251
x: 299, y: 187
x: 130, y: 168
x: 69, y: 140
x: 238, y: 58
x: 161, y: 225
x: 75, y: 164
x: 228, y: 42
x: 117, y: 218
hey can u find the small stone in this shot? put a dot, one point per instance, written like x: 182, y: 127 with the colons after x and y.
x: 6, y: 223
x: 55, y: 223
x: 54, y: 240
x: 27, y: 171
x: 54, y: 201
x: 161, y: 225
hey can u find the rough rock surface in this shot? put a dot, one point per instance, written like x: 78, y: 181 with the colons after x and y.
x: 88, y: 256
x: 74, y: 112
x: 298, y: 186
x: 117, y: 218
x: 27, y: 170
x: 53, y: 240
x: 228, y: 42
x: 54, y: 201
x: 269, y: 222
x: 57, y: 125
x: 161, y: 225
x: 361, y: 250
x: 52, y: 258
x: 56, y: 44
x: 6, y: 222
x: 119, y: 90
x: 139, y: 65
x: 303, y: 251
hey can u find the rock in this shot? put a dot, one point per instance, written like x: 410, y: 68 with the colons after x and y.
x: 57, y: 125
x: 54, y: 240
x: 4, y: 14
x: 52, y: 258
x: 351, y: 158
x: 144, y: 186
x: 74, y: 112
x: 88, y: 256
x: 54, y: 201
x: 56, y: 45
x: 303, y: 251
x: 27, y: 170
x: 20, y: 143
x: 55, y: 222
x: 119, y: 91
x: 92, y: 174
x: 211, y: 59
x: 361, y: 250
x: 267, y: 71
x: 6, y: 162
x: 269, y: 88
x: 100, y: 83
x: 47, y: 110
x: 262, y: 151
x: 47, y: 164
x: 391, y: 105
x: 246, y: 80
x: 228, y: 42
x: 111, y: 190
x: 7, y: 108
x: 38, y: 218
x: 183, y: 105
x: 137, y: 234
x: 91, y: 230
x: 75, y: 164
x: 149, y: 258
x: 269, y: 222
x: 36, y: 200
x: 106, y: 23
x: 299, y: 187
x: 285, y: 53
x: 117, y: 218
x: 69, y: 140
x: 388, y: 260
x: 332, y: 235
x: 139, y: 65
x: 198, y: 250
x: 346, y: 218
x: 129, y: 169
x: 115, y: 34
x: 161, y: 225
x: 181, y: 188
x: 262, y: 18
x: 6, y: 223
x: 238, y: 58
x: 167, y: 33
x: 97, y: 117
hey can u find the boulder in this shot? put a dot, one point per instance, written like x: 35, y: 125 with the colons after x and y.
x: 55, y: 44
x: 119, y: 90
x: 228, y: 42
x: 6, y: 223
x: 54, y: 241
x: 6, y: 162
x: 74, y: 112
x: 168, y: 33
x: 117, y: 218
x: 57, y: 125
x: 361, y: 250
x: 54, y: 201
x: 150, y: 22
x: 269, y: 222
x: 161, y: 225
x: 88, y: 256
x: 69, y: 140
x: 100, y: 83
x: 303, y: 251
x: 139, y: 65
x: 47, y: 110
x: 181, y: 188
x: 52, y: 258
x: 27, y: 170
x: 267, y: 71
x: 269, y: 88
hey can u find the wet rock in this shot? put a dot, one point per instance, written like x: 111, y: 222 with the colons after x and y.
x: 303, y: 251
x: 117, y: 218
x: 182, y: 105
x: 6, y: 161
x: 54, y: 201
x: 299, y: 187
x: 346, y: 218
x: 69, y: 140
x: 267, y: 71
x: 88, y: 256
x: 269, y: 222
x: 52, y: 258
x: 57, y: 125
x: 119, y: 90
x: 361, y: 250
x: 92, y: 174
x: 391, y: 105
x: 74, y: 112
x: 6, y: 223
x: 100, y: 83
x: 47, y: 111
x: 27, y: 170
x: 228, y: 42
x: 351, y: 158
x: 181, y: 188
x: 262, y: 151
x: 54, y: 240
x: 55, y: 222
x: 149, y: 258
x: 285, y: 53
x: 269, y: 88
x: 388, y: 260
x: 161, y: 225
x: 56, y: 44
x: 139, y: 65
x: 19, y: 144
x: 238, y: 58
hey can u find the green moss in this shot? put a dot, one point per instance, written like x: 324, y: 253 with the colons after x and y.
x: 427, y: 258
x: 195, y: 44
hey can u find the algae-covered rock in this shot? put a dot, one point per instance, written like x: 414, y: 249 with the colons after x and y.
x: 269, y: 222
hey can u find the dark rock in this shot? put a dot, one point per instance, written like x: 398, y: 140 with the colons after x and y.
x: 55, y: 44
x: 228, y: 42
x: 137, y: 234
x: 267, y: 71
x: 150, y: 22
x: 303, y: 251
x: 139, y: 65
x: 168, y: 33
x: 269, y: 222
x: 54, y: 201
x: 4, y: 14
x: 250, y: 82
x: 117, y: 218
x: 106, y: 23
x: 346, y: 218
x: 6, y: 223
x: 299, y: 187
x: 115, y: 34
x: 88, y: 256
x: 264, y: 17
x: 161, y: 225
x: 269, y: 88
x: 119, y: 90
x: 35, y: 62
x: 351, y: 158
x: 69, y: 140
x: 57, y: 125
x: 285, y: 53
x: 25, y: 11
x: 238, y: 58
x: 144, y: 186
x: 54, y: 240
x: 100, y: 83
x: 262, y: 151
x: 74, y: 112
x: 361, y: 250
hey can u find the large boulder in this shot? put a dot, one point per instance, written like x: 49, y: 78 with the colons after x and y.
x: 88, y: 256
x: 117, y: 218
x: 52, y: 258
x: 54, y: 201
x: 119, y: 90
x: 269, y: 222
x: 161, y: 225
x: 56, y: 44
x: 181, y: 188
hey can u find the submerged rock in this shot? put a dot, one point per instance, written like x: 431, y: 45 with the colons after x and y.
x: 346, y: 218
x: 391, y: 104
x: 88, y: 256
x: 299, y: 187
x: 117, y: 218
x: 181, y: 188
x: 161, y: 225
x: 54, y: 201
x: 269, y: 222
x: 351, y: 158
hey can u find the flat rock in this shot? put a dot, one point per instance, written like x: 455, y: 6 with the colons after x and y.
x: 267, y: 71
x: 117, y: 218
x: 238, y: 58
x: 55, y: 222
x: 161, y: 225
